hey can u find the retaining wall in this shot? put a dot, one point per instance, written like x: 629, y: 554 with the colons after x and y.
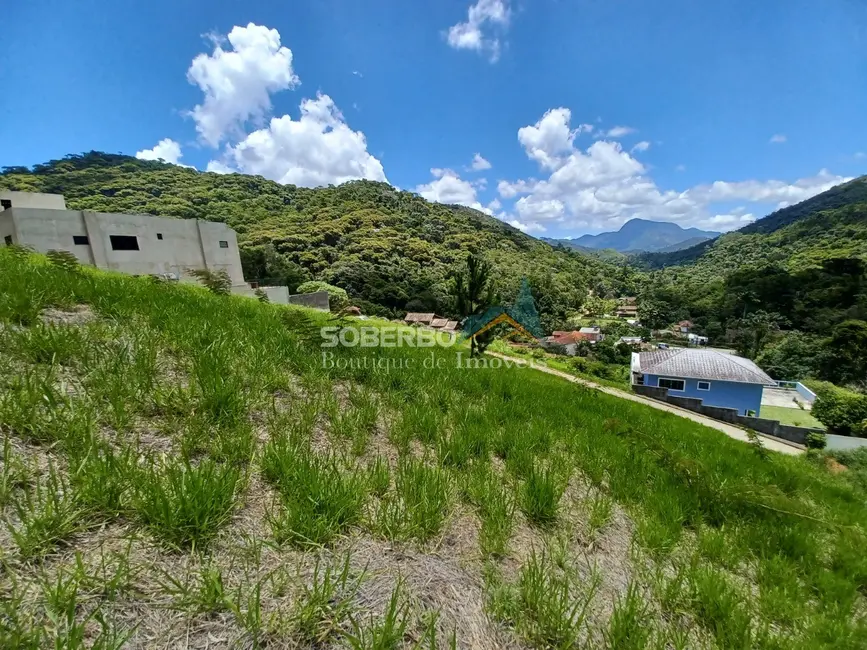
x: 760, y: 425
x: 318, y: 300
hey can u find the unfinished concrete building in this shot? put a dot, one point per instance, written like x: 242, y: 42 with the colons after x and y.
x: 138, y: 244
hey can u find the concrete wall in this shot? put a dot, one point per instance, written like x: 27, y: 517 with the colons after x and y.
x: 727, y: 394
x: 186, y: 244
x: 797, y: 435
x: 7, y: 228
x: 318, y: 300
x: 276, y: 295
x: 34, y: 200
x: 844, y: 443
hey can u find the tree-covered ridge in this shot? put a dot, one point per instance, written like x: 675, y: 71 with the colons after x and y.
x: 391, y: 250
x: 804, y: 244
x: 795, y: 227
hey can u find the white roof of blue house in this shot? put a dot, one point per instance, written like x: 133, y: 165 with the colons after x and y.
x: 701, y: 364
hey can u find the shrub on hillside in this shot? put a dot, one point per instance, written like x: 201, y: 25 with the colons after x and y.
x: 337, y: 297
x: 843, y: 411
x: 63, y: 260
x: 217, y: 282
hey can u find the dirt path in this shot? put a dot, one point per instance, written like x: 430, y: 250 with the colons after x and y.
x: 730, y: 430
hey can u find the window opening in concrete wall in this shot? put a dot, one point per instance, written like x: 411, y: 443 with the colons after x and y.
x: 224, y: 244
x: 124, y: 242
x: 159, y: 235
x: 8, y: 240
x: 704, y: 385
x: 80, y: 240
x: 5, y: 204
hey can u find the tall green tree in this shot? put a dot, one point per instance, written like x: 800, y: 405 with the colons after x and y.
x: 846, y: 358
x: 473, y: 291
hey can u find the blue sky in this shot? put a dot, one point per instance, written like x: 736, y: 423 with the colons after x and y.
x: 583, y: 113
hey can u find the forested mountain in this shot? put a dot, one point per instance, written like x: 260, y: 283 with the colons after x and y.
x: 640, y: 235
x: 392, y: 251
x: 829, y: 209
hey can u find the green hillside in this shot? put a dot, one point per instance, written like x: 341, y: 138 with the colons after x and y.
x: 181, y: 469
x: 805, y: 243
x: 391, y: 250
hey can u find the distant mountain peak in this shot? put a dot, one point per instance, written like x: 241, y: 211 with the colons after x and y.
x: 641, y: 235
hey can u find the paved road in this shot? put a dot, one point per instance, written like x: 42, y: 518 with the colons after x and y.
x: 730, y: 430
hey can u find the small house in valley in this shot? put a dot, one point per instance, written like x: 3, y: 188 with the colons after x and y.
x: 716, y: 378
x: 594, y: 334
x: 627, y: 308
x: 416, y: 318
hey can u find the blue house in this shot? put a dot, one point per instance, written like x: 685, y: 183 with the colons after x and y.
x: 716, y: 378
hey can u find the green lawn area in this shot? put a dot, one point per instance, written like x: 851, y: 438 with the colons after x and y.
x: 794, y: 416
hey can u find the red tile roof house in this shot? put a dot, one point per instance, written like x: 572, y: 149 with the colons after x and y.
x: 567, y: 341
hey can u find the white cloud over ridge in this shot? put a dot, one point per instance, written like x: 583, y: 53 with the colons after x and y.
x: 238, y: 82
x: 317, y: 149
x: 166, y: 149
x: 476, y: 33
x: 449, y: 188
x: 603, y: 186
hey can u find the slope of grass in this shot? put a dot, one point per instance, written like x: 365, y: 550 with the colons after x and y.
x: 214, y: 479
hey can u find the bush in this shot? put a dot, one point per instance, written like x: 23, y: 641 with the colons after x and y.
x: 842, y: 411
x: 217, y: 282
x: 63, y: 260
x: 816, y: 440
x: 337, y: 297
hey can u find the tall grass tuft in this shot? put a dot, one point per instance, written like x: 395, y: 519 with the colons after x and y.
x: 419, y: 505
x: 185, y: 505
x: 496, y: 507
x: 540, y: 495
x: 319, y: 501
x: 47, y: 515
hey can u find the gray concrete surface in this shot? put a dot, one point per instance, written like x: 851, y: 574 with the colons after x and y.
x: 730, y: 430
x: 33, y: 200
x: 166, y: 246
x: 783, y: 397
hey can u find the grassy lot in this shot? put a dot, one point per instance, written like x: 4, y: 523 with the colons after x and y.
x: 794, y: 416
x: 181, y: 469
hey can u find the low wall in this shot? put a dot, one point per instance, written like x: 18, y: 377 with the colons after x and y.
x: 844, y: 443
x: 797, y: 435
x: 318, y: 300
x: 808, y: 395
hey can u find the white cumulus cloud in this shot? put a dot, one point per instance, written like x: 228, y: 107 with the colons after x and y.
x: 602, y: 186
x: 477, y: 33
x: 529, y: 227
x: 620, y: 131
x: 449, y: 188
x: 166, y: 149
x: 778, y: 138
x: 317, y: 149
x: 479, y: 163
x: 238, y: 82
x: 771, y: 191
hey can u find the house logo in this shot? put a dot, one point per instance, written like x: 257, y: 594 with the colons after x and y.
x: 512, y: 317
